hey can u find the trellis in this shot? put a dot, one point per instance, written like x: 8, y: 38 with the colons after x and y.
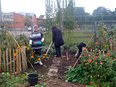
x: 13, y: 60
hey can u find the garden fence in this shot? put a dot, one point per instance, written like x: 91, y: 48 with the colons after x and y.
x: 13, y: 60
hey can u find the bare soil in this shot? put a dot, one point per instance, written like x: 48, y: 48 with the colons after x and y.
x: 58, y: 81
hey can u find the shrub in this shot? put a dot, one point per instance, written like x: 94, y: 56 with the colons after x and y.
x: 96, y: 69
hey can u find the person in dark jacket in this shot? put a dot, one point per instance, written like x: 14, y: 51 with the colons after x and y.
x: 57, y: 40
x: 80, y: 47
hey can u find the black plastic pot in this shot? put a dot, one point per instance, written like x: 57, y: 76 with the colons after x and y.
x: 33, y: 79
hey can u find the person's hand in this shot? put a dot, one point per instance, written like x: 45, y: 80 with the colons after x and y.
x: 80, y: 56
x: 42, y: 39
x: 85, y: 49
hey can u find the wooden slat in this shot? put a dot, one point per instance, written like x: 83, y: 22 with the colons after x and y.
x: 7, y: 68
x: 13, y: 61
x: 10, y: 60
x: 19, y: 57
x: 4, y: 64
x: 25, y: 57
x: 17, y: 62
x: 23, y: 62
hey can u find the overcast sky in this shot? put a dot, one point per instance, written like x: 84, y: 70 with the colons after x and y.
x: 38, y: 6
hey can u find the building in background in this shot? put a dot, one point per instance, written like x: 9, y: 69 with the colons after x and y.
x: 41, y: 21
x: 18, y: 20
x: 13, y: 20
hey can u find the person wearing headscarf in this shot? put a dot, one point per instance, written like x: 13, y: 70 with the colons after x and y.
x: 36, y: 41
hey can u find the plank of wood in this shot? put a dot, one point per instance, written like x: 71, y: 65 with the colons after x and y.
x: 4, y: 64
x: 13, y: 61
x: 19, y: 57
x: 7, y: 67
x: 17, y: 62
x: 10, y: 60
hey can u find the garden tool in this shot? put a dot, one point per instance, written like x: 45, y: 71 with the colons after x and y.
x: 44, y: 56
x: 49, y: 48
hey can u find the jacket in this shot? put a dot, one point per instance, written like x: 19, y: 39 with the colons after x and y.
x: 57, y: 37
x: 36, y: 40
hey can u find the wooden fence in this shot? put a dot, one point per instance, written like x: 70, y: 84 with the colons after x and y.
x: 13, y: 60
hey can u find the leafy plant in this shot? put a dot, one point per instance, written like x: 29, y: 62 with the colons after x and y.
x: 7, y: 80
x: 95, y: 68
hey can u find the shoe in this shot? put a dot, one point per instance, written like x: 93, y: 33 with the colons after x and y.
x: 38, y: 62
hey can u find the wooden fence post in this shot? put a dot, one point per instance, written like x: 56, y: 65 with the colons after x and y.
x: 4, y: 67
x: 14, y: 60
x: 24, y: 60
x: 19, y: 57
x: 10, y: 60
x: 7, y: 68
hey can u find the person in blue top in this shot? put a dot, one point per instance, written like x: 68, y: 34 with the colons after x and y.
x: 36, y: 41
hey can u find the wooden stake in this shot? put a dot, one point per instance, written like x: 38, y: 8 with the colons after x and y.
x: 7, y: 68
x: 10, y: 59
x: 4, y: 65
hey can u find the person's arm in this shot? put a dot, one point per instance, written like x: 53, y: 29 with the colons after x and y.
x: 42, y: 39
x: 30, y: 41
x: 78, y: 55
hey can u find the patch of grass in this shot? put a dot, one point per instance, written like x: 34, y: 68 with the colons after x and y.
x: 70, y: 37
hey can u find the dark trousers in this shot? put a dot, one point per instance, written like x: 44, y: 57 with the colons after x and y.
x: 58, y: 51
x: 37, y: 51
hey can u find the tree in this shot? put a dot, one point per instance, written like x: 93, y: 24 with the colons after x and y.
x: 101, y: 11
x: 60, y: 12
x: 28, y: 21
x: 69, y: 22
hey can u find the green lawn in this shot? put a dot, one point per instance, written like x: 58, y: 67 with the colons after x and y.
x: 71, y: 37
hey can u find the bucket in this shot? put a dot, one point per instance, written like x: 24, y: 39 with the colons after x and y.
x: 33, y: 79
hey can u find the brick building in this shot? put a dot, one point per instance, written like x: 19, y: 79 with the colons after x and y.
x: 13, y: 20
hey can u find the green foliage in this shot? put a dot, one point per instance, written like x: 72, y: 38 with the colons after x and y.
x: 95, y: 69
x: 40, y: 85
x: 114, y: 65
x: 104, y: 38
x: 7, y: 80
x: 113, y: 82
x: 6, y: 40
x: 22, y: 40
x: 75, y: 74
x: 70, y: 37
x: 72, y: 49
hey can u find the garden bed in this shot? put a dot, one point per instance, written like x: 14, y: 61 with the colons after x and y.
x: 60, y: 80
